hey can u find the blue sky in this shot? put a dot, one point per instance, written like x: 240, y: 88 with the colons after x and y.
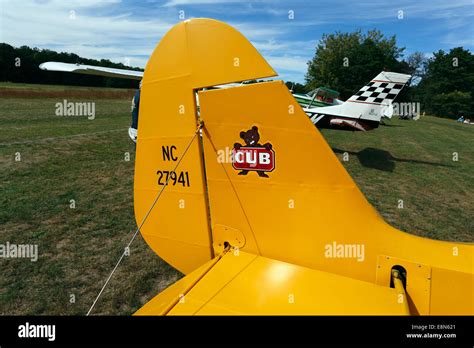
x: 127, y: 31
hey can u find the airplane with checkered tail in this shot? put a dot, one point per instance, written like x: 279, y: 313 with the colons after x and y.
x: 365, y: 109
x: 361, y: 112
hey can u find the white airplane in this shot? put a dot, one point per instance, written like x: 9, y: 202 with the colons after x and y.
x: 364, y: 110
x: 361, y: 112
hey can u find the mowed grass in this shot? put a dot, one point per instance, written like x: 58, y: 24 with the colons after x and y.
x: 409, y: 173
x: 64, y: 158
x: 13, y: 85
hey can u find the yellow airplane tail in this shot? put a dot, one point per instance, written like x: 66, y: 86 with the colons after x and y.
x: 256, y: 207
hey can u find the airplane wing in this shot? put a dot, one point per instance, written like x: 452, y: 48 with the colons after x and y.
x: 109, y: 72
x: 92, y: 70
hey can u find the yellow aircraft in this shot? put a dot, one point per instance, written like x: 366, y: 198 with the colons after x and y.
x: 248, y: 200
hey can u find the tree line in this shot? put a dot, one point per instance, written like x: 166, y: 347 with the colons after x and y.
x: 21, y: 64
x: 441, y: 83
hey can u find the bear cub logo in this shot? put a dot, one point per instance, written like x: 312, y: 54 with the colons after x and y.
x: 253, y: 156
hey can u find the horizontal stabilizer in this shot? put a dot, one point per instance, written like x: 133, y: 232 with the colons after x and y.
x: 246, y: 284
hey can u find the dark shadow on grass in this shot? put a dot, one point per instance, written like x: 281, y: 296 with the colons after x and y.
x: 390, y: 125
x: 382, y: 159
x: 383, y: 123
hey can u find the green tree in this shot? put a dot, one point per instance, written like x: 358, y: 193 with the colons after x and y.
x: 417, y: 65
x: 347, y: 61
x: 446, y: 87
x: 296, y: 87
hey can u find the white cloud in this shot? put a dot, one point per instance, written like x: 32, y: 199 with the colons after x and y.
x: 120, y: 36
x: 454, y: 40
x: 116, y: 30
x: 52, y: 25
x: 255, y: 31
x: 293, y: 64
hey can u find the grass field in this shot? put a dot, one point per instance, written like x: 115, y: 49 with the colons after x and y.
x: 64, y: 158
x: 23, y: 86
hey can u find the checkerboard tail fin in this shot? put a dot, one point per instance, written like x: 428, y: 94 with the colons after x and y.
x: 365, y: 109
x: 382, y: 90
